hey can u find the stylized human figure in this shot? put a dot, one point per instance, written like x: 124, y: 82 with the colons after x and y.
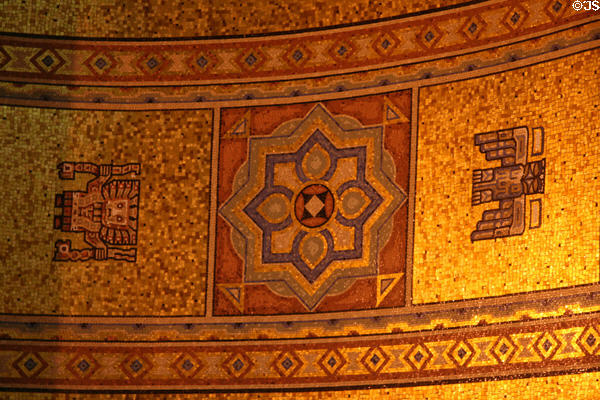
x: 509, y: 183
x: 106, y: 213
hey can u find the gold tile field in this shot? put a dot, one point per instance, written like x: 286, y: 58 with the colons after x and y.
x: 309, y: 200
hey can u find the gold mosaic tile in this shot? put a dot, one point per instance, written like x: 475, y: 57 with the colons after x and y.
x: 561, y: 96
x: 110, y: 18
x: 168, y: 277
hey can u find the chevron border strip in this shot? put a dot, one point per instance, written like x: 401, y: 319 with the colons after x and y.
x: 519, y: 349
x: 336, y: 51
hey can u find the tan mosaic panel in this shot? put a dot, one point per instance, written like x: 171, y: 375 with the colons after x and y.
x: 156, y: 18
x: 168, y: 278
x: 561, y: 96
x: 240, y: 17
x: 565, y: 387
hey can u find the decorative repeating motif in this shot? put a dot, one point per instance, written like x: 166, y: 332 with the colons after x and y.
x: 482, y: 352
x: 314, y: 207
x: 311, y: 202
x: 551, y: 45
x: 106, y: 213
x: 202, y: 61
x: 29, y: 364
x: 310, y: 209
x: 509, y: 183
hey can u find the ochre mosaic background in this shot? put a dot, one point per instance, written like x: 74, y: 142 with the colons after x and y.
x: 174, y: 152
x: 562, y: 97
x: 438, y: 314
x: 155, y: 18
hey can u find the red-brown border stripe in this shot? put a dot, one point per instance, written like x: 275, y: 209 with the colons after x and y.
x: 336, y: 51
x: 553, y: 345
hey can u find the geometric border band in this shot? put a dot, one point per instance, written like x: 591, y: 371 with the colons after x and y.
x: 519, y: 349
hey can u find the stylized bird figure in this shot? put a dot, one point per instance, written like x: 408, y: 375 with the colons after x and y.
x: 509, y: 183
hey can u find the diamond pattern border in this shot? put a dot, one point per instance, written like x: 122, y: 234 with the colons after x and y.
x: 101, y: 63
x: 83, y: 365
x: 187, y: 365
x: 152, y: 63
x: 30, y: 365
x: 319, y: 53
x: 504, y: 349
x: 589, y: 340
x: 402, y: 358
x: 547, y: 345
x: 556, y: 9
x: 473, y: 27
x: 237, y: 364
x: 385, y: 43
x: 251, y: 59
x: 47, y: 61
x: 462, y: 353
x: 375, y: 359
x: 332, y: 362
x: 419, y: 356
x: 430, y: 36
x: 287, y: 363
x: 136, y: 366
x: 515, y: 18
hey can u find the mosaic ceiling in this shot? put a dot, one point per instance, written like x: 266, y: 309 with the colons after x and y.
x: 401, y: 205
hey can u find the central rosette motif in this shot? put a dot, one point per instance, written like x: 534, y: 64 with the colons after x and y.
x: 286, y: 220
x: 309, y: 206
x: 314, y: 205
